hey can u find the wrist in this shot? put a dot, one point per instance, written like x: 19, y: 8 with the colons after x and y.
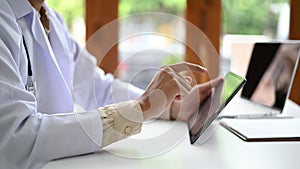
x: 175, y: 109
x: 145, y: 106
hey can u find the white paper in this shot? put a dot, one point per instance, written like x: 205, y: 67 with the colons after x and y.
x: 265, y: 128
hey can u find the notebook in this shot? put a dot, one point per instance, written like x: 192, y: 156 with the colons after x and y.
x: 264, y: 129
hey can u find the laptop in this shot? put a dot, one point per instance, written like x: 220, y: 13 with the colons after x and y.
x: 204, y: 121
x: 269, y: 78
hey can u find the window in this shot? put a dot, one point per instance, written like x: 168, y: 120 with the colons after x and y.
x: 145, y: 42
x: 73, y: 13
x: 246, y: 22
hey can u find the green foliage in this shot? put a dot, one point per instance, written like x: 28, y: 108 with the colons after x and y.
x: 247, y: 16
x: 239, y: 16
x: 172, y: 59
x: 69, y: 9
x: 175, y: 7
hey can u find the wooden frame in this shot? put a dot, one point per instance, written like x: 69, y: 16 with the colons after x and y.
x: 101, y: 13
x: 295, y: 35
x: 204, y: 14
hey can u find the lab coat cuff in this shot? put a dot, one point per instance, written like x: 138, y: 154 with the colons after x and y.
x: 120, y: 121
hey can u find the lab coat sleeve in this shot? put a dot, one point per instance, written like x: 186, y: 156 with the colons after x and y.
x: 93, y: 88
x: 29, y: 139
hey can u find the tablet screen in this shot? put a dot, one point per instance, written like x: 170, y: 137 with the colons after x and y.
x: 211, y: 107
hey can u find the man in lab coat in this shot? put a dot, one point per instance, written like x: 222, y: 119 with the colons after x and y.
x: 44, y: 73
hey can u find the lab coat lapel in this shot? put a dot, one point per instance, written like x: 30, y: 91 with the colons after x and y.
x: 66, y: 59
x: 55, y: 92
x: 41, y: 38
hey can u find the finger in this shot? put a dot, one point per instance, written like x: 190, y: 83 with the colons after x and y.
x: 181, y: 80
x: 205, y: 94
x: 184, y: 88
x: 215, y: 82
x: 178, y: 97
x: 179, y: 67
x: 210, y: 84
x: 205, y: 89
x: 188, y: 79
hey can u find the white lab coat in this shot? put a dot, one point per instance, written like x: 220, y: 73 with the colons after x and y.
x: 34, y: 130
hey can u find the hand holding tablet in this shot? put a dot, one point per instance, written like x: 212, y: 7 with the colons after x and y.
x: 211, y: 107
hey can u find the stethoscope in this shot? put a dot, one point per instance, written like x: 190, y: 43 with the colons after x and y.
x: 30, y: 84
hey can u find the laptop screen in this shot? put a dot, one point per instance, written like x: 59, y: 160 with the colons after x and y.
x: 270, y: 72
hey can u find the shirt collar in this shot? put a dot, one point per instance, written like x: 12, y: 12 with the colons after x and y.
x: 20, y: 7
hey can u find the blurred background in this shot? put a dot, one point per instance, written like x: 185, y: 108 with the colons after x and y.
x: 233, y: 26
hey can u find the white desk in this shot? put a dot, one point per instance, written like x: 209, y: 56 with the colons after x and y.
x: 222, y: 151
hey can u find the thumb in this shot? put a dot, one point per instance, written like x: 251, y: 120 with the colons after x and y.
x: 188, y: 79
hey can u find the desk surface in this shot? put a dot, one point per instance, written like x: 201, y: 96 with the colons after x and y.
x: 165, y: 144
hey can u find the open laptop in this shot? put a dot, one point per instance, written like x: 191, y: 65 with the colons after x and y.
x: 269, y: 77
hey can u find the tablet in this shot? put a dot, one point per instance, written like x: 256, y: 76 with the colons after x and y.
x: 211, y: 107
